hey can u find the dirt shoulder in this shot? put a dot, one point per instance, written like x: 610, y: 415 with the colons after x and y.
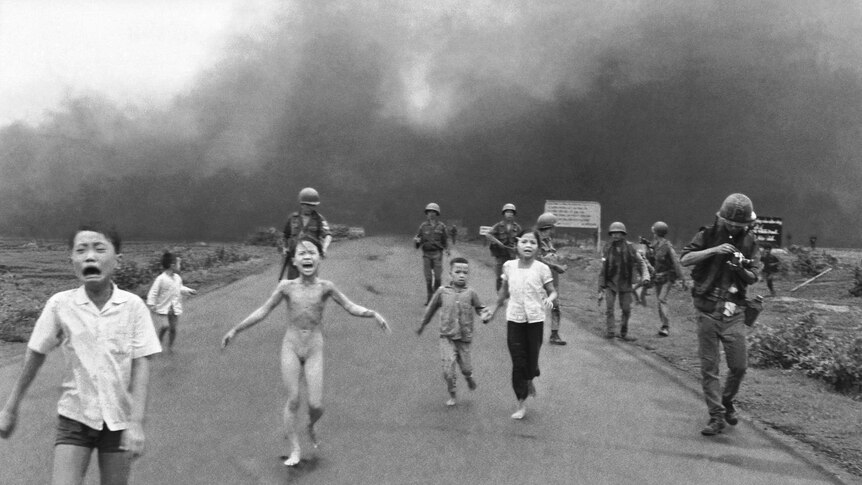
x: 821, y: 424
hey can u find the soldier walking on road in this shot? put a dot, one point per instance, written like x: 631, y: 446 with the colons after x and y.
x: 548, y: 255
x: 617, y: 279
x: 771, y: 266
x: 667, y: 270
x: 305, y: 223
x: 503, y: 238
x: 431, y: 238
x: 726, y: 262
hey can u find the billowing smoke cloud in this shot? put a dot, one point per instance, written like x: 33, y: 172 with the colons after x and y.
x: 655, y: 110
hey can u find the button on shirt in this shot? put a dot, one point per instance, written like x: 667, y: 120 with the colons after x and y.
x: 166, y: 293
x: 456, y: 312
x: 526, y: 291
x: 99, y: 346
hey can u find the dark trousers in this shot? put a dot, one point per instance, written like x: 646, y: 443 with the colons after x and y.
x: 524, y: 341
x: 432, y: 267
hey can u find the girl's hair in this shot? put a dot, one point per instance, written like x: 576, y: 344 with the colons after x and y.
x: 312, y: 240
x: 168, y: 259
x: 109, y: 232
x: 534, y: 231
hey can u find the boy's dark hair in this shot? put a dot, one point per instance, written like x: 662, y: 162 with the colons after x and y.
x: 459, y: 259
x: 168, y: 259
x: 312, y: 240
x: 110, y: 232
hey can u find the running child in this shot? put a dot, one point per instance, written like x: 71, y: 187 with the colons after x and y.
x: 165, y: 299
x: 529, y: 287
x: 107, y: 338
x: 456, y: 302
x: 302, y: 347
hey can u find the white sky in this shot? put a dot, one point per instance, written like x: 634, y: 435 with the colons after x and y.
x: 139, y: 52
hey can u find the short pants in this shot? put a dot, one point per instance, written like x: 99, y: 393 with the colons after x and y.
x: 71, y: 432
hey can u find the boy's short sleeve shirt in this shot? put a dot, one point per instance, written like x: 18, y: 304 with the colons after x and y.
x: 526, y: 291
x: 98, y: 346
x: 456, y: 312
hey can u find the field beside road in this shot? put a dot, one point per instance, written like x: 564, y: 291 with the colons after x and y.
x: 32, y: 271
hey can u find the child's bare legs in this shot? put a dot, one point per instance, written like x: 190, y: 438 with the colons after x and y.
x: 114, y: 468
x: 70, y: 464
x: 448, y: 358
x: 314, y: 380
x: 172, y: 330
x: 290, y: 372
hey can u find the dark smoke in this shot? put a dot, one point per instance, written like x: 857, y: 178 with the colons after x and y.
x: 656, y: 112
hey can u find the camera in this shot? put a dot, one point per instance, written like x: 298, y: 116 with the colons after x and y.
x: 739, y: 260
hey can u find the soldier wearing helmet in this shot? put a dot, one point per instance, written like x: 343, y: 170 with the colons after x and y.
x: 621, y: 270
x: 726, y: 261
x: 667, y: 270
x: 307, y: 222
x: 431, y: 238
x: 548, y: 254
x: 503, y: 238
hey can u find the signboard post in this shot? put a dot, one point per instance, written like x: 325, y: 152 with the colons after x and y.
x: 768, y: 230
x: 578, y: 215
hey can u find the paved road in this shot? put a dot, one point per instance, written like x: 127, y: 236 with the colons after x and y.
x: 604, y: 413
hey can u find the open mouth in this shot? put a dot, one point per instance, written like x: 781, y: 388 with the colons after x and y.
x: 306, y: 265
x: 91, y: 271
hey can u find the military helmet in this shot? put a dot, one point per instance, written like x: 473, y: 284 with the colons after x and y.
x: 546, y: 220
x: 309, y: 196
x: 617, y: 227
x: 509, y: 207
x: 433, y: 207
x: 737, y: 209
x: 659, y: 228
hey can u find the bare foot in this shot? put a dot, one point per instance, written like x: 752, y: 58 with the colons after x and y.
x: 293, y: 459
x: 313, y: 436
x: 451, y: 401
x: 521, y: 412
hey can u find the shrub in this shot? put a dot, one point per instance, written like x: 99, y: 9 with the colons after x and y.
x: 129, y: 275
x: 806, y: 346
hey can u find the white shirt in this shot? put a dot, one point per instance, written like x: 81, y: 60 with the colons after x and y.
x: 99, y: 346
x: 166, y: 293
x: 526, y: 290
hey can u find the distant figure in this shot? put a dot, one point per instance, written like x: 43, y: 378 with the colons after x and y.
x: 456, y: 302
x: 431, y: 238
x: 165, y: 299
x: 621, y: 270
x: 528, y: 286
x: 726, y: 262
x: 305, y: 223
x: 503, y: 238
x: 667, y: 271
x: 548, y: 254
x: 453, y: 233
x: 302, y: 347
x: 813, y: 241
x: 857, y: 276
x: 107, y: 338
x: 771, y: 266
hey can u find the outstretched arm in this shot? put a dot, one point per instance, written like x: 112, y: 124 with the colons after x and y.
x: 256, y: 316
x: 502, y: 296
x: 9, y: 415
x: 357, y: 310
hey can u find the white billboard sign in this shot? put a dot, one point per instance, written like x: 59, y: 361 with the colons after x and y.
x: 577, y: 214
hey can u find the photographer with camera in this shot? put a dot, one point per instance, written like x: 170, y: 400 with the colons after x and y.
x: 726, y: 261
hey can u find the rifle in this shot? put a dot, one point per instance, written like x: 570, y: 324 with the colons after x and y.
x: 284, y: 264
x: 512, y: 251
